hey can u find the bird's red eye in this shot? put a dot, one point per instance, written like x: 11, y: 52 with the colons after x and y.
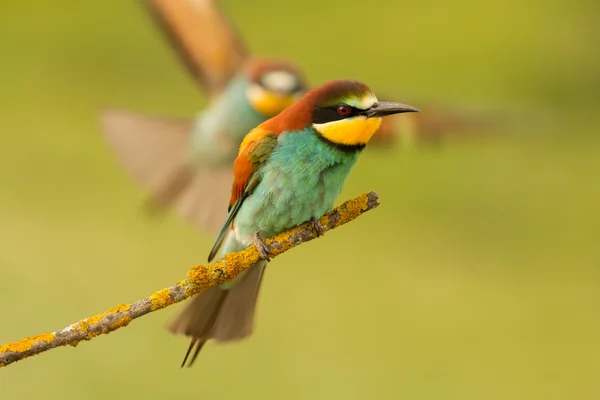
x: 343, y: 110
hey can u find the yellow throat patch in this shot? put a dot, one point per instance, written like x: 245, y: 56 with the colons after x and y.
x: 268, y: 103
x: 351, y: 131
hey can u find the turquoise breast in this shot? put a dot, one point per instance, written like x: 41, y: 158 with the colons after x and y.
x: 219, y: 129
x: 301, y: 180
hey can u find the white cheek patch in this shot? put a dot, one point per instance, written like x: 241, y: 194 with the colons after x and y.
x: 279, y: 81
x: 255, y: 93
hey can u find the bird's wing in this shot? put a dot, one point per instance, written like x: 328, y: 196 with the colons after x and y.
x: 432, y: 123
x: 152, y: 149
x: 205, y: 40
x: 255, y: 149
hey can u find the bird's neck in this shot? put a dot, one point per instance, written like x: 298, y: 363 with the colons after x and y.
x: 349, y: 148
x: 306, y: 145
x: 231, y: 114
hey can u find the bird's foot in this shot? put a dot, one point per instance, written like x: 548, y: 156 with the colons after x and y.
x: 262, y: 247
x: 317, y: 227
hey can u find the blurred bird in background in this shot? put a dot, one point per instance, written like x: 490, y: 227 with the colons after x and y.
x: 185, y: 163
x: 289, y: 170
x: 433, y: 124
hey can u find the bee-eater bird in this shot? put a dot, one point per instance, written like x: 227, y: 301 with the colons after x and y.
x: 184, y: 162
x: 201, y: 32
x: 289, y: 170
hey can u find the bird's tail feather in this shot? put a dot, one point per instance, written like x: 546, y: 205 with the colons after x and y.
x: 222, y: 314
x: 154, y: 150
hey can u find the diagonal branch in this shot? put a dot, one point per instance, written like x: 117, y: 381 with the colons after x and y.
x: 197, y: 279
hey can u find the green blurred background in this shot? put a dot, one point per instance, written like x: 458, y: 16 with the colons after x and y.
x: 477, y: 278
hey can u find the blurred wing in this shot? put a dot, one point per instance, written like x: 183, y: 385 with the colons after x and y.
x: 152, y: 149
x: 431, y: 124
x: 254, y: 151
x: 155, y: 152
x: 204, y: 201
x: 205, y: 40
x: 389, y: 129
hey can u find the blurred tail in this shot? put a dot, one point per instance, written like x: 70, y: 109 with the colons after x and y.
x: 220, y: 314
x: 155, y: 151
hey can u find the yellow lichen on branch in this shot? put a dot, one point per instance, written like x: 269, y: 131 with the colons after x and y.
x: 197, y: 279
x: 161, y: 299
x: 27, y: 343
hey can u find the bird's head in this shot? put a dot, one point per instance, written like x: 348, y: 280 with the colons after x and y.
x: 343, y: 112
x: 274, y: 85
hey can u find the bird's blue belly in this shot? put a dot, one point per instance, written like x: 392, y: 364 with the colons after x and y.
x: 300, y: 180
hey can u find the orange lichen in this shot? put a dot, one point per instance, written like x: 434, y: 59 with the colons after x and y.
x: 240, y: 261
x: 201, y: 277
x: 197, y: 279
x: 84, y: 324
x: 115, y: 310
x: 161, y: 299
x: 123, y: 321
x: 351, y: 209
x: 27, y: 343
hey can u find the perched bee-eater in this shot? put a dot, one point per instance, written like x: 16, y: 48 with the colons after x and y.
x: 183, y: 162
x: 202, y: 34
x: 289, y: 170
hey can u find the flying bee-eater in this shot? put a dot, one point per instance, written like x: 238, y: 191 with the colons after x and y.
x: 197, y: 28
x: 289, y: 170
x: 184, y: 162
x: 433, y: 125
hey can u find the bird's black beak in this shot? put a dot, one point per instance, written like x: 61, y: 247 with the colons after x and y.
x: 383, y: 108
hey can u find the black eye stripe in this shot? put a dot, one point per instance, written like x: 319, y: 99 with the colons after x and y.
x: 323, y: 115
